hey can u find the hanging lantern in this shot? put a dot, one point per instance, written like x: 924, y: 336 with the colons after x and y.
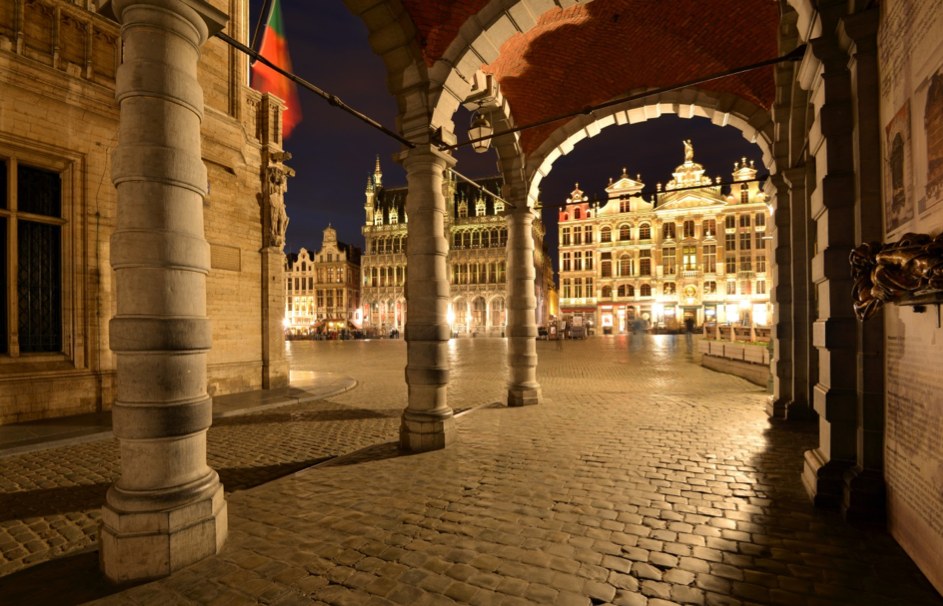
x: 480, y: 127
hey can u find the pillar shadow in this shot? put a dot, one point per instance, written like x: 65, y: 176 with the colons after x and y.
x: 51, y: 501
x: 66, y: 581
x: 311, y: 416
x: 845, y: 563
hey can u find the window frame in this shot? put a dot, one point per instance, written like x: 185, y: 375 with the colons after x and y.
x: 69, y: 167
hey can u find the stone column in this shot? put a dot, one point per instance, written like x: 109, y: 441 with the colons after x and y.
x: 803, y: 371
x: 834, y: 332
x: 427, y: 421
x: 864, y: 495
x: 523, y: 388
x: 166, y: 510
x: 781, y: 296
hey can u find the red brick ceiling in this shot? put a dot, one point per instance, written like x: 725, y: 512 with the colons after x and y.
x: 587, y: 54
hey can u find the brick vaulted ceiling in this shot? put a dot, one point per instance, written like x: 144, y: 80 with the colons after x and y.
x: 589, y: 53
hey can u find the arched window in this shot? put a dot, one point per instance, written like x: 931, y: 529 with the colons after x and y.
x: 645, y: 232
x: 576, y: 213
x: 625, y: 232
x: 646, y: 290
x: 462, y: 209
x: 605, y: 234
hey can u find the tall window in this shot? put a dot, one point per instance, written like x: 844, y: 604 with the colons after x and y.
x: 577, y: 236
x: 578, y: 287
x: 645, y: 232
x: 566, y: 288
x: 689, y: 229
x: 588, y: 234
x: 605, y: 262
x: 566, y: 262
x: 578, y: 260
x: 745, y: 220
x: 709, y: 228
x: 744, y: 194
x: 760, y: 220
x: 730, y: 222
x: 668, y: 231
x: 689, y: 258
x: 565, y: 238
x: 730, y: 242
x: 761, y: 287
x: 669, y: 260
x: 588, y: 261
x: 605, y: 234
x: 746, y: 240
x: 730, y: 263
x: 761, y: 263
x: 625, y: 265
x: 34, y: 291
x: 625, y: 232
x: 646, y: 290
x: 710, y: 258
x: 645, y: 262
x: 746, y: 262
x: 590, y: 292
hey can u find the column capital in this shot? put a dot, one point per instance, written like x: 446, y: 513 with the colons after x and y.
x: 426, y: 152
x: 202, y: 14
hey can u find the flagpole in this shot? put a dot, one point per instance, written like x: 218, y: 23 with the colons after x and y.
x: 266, y: 4
x: 332, y: 99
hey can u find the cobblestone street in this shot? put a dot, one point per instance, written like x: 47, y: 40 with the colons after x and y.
x: 641, y: 478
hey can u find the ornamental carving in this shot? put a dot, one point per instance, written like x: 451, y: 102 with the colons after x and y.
x: 272, y: 199
x: 907, y: 272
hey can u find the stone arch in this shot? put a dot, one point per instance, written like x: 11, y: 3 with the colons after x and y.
x: 722, y: 109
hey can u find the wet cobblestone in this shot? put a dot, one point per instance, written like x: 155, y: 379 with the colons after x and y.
x: 641, y: 479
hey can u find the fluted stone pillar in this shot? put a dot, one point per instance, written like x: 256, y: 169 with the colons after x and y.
x: 427, y: 422
x: 167, y: 509
x: 523, y: 388
x: 834, y: 332
x: 781, y: 294
x: 864, y: 494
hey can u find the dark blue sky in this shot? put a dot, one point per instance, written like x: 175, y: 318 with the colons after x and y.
x: 333, y: 152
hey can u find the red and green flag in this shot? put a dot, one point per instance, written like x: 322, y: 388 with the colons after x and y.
x: 267, y: 80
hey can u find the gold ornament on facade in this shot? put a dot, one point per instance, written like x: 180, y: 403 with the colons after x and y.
x: 906, y: 272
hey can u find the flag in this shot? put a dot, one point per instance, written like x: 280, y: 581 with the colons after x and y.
x: 267, y: 80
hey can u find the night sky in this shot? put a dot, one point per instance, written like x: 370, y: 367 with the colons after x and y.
x: 334, y: 152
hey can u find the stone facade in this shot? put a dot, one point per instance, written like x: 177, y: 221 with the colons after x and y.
x: 58, y: 132
x: 692, y: 255
x: 477, y: 233
x: 322, y: 289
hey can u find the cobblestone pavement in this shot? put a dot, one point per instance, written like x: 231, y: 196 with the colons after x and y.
x: 640, y: 479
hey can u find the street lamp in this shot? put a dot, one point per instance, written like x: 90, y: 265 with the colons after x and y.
x: 480, y: 129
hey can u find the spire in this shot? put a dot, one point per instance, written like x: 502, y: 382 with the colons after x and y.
x: 369, y: 189
x: 377, y: 173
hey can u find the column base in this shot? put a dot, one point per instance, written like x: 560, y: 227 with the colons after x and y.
x: 865, y: 497
x: 823, y: 479
x: 425, y: 431
x: 140, y: 546
x: 776, y: 407
x: 275, y: 375
x: 800, y: 411
x: 524, y: 396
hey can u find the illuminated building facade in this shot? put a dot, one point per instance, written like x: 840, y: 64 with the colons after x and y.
x: 322, y: 289
x: 477, y: 267
x: 692, y: 255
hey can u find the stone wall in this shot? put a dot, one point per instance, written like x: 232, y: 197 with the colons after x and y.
x: 911, y: 56
x: 58, y: 61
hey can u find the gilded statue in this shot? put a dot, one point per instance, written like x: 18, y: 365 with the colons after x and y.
x: 895, y: 272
